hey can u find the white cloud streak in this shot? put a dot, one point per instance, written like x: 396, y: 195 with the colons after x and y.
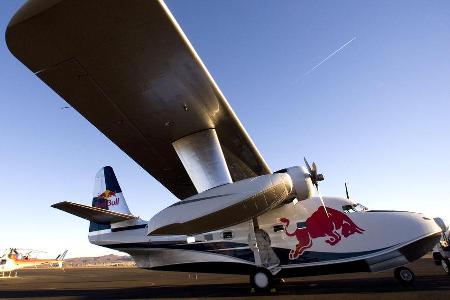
x: 328, y: 57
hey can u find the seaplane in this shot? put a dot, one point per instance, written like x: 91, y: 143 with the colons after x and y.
x: 129, y: 69
x: 15, y: 259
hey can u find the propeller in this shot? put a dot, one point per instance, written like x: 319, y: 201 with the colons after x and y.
x: 346, y: 190
x: 315, y: 178
x: 27, y: 251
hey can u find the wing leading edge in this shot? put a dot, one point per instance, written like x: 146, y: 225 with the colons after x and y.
x: 128, y: 68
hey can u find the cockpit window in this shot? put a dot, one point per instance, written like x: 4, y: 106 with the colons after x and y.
x: 354, y: 208
x: 3, y: 262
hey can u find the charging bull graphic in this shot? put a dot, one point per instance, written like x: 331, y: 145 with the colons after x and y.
x: 104, y: 200
x: 107, y: 194
x: 319, y: 224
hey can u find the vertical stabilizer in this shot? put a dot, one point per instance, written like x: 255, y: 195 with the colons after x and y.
x: 107, y: 195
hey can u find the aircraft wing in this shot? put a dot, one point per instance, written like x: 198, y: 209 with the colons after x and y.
x: 94, y: 214
x: 128, y: 68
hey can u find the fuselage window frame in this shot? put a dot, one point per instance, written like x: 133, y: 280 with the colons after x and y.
x: 278, y: 227
x: 227, y: 235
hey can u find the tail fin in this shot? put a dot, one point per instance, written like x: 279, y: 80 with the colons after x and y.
x: 107, y: 195
x: 60, y: 258
x: 62, y: 255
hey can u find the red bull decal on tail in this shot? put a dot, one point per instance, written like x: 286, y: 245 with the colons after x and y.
x: 334, y: 225
x: 107, y: 194
x: 106, y: 199
x: 113, y: 202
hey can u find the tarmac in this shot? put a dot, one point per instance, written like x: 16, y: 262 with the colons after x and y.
x: 131, y: 283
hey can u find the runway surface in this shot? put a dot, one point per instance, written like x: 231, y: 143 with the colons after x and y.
x: 109, y: 283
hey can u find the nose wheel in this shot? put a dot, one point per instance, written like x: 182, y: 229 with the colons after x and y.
x: 404, y: 275
x: 261, y: 280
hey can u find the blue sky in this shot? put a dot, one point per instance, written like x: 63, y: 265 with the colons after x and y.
x: 376, y: 114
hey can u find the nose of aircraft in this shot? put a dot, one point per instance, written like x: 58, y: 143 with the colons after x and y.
x: 415, y: 233
x: 428, y: 233
x: 406, y: 236
x: 422, y: 225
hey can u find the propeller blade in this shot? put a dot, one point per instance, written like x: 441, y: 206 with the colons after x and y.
x: 307, y: 165
x: 28, y: 249
x: 346, y: 190
x: 323, y: 203
x: 312, y: 171
x: 315, y: 178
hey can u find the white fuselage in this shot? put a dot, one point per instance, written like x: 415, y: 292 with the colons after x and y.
x: 366, y: 240
x: 9, y: 263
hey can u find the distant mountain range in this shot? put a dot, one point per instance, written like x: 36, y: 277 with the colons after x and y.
x: 110, y: 259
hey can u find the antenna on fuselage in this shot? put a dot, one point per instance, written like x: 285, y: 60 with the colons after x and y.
x: 346, y: 190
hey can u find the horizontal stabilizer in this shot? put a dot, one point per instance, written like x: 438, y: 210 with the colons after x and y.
x: 94, y: 214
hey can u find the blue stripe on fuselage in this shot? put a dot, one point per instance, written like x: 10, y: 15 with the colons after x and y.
x: 242, y: 251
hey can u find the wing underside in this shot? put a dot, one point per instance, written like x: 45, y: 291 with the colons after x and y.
x: 127, y: 67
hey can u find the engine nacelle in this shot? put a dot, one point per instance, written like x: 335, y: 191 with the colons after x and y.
x: 303, y: 187
x: 222, y: 206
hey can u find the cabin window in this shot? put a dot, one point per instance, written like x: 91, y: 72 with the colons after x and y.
x: 3, y: 262
x: 227, y: 235
x: 301, y: 225
x: 277, y: 228
x: 208, y: 237
x: 353, y: 208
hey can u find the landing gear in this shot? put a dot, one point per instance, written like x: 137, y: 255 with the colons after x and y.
x: 266, y: 261
x: 404, y: 275
x: 445, y: 263
x: 261, y: 280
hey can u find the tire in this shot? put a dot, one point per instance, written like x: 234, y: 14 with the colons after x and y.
x: 261, y: 280
x: 446, y: 265
x: 404, y: 275
x: 437, y: 257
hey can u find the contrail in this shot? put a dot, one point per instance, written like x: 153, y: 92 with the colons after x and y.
x: 328, y: 57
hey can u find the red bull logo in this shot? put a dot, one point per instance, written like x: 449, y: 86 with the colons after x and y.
x: 106, y: 195
x: 333, y: 225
